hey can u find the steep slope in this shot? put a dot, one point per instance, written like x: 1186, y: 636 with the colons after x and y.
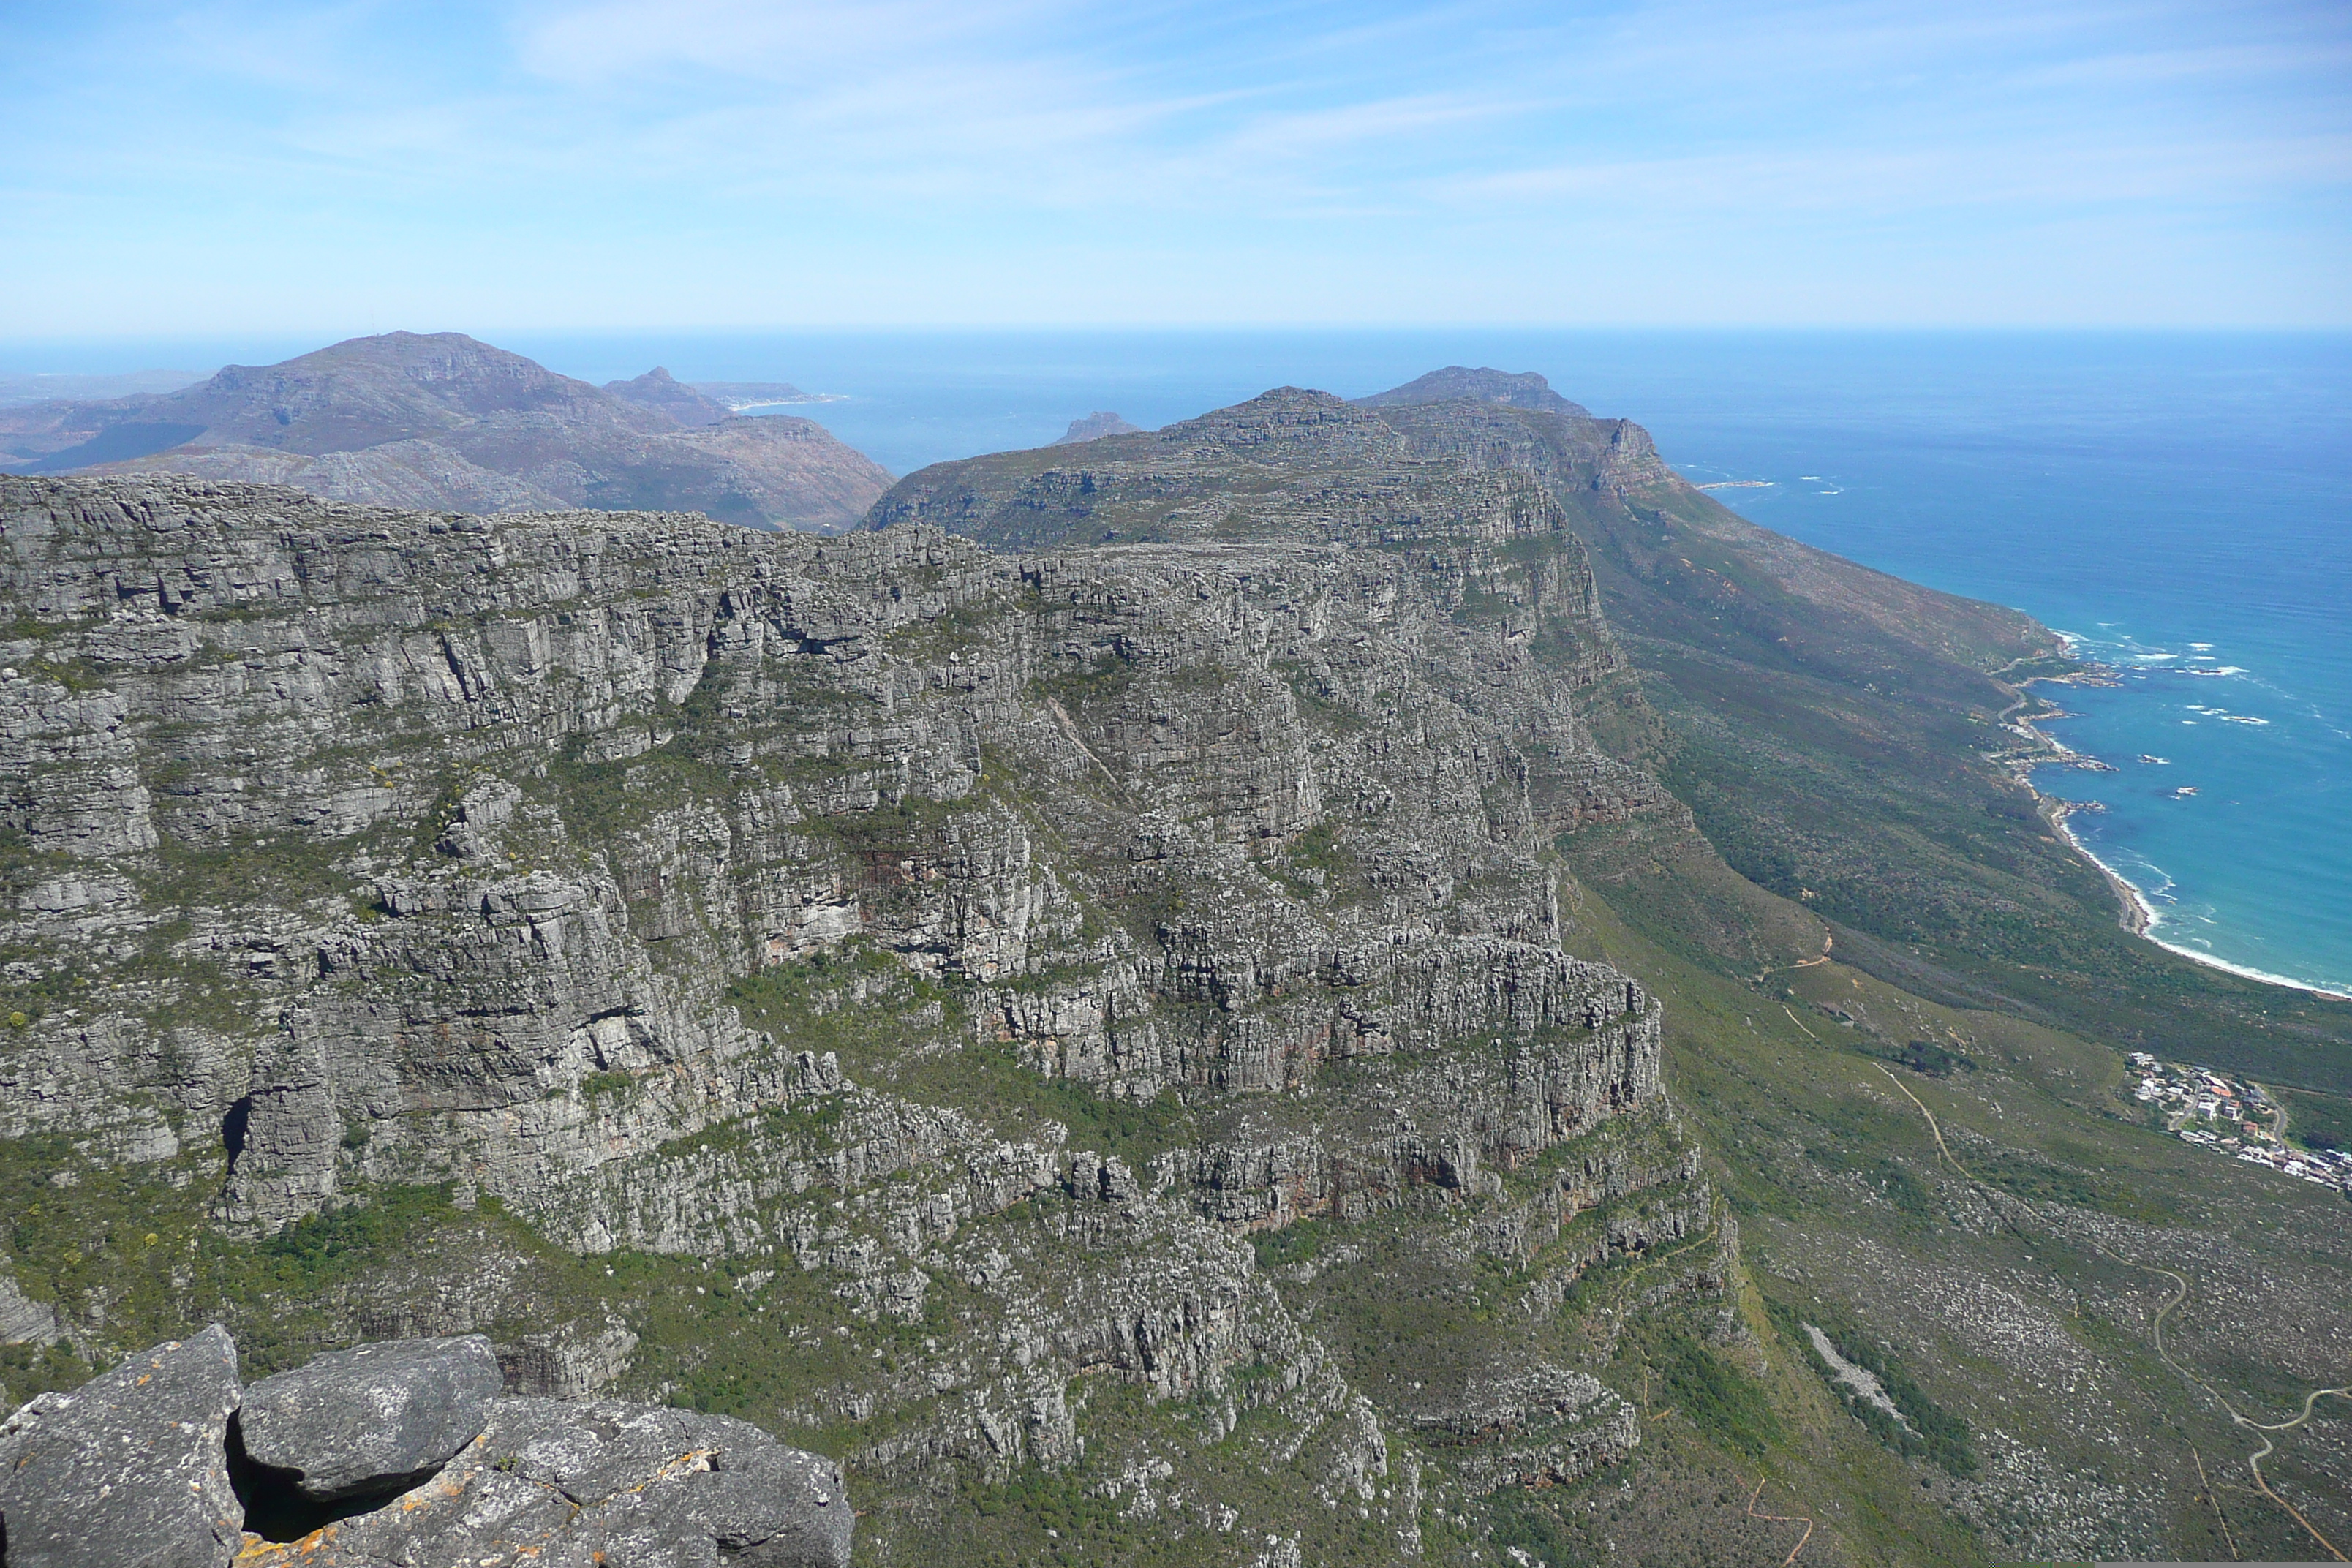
x: 1840, y: 715
x: 1845, y: 738
x: 871, y: 985
x: 443, y: 422
x: 1147, y: 1049
x: 1291, y: 464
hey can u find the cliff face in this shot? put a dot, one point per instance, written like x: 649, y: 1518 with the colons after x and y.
x: 848, y: 902
x: 1291, y: 467
x: 1099, y: 1035
x: 1641, y: 520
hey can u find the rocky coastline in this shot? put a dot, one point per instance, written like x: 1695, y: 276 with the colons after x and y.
x: 2041, y: 750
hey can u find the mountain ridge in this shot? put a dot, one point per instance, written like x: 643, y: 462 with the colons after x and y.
x: 443, y: 420
x: 1221, y: 994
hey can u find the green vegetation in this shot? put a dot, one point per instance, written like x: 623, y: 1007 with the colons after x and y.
x: 1524, y: 1522
x: 1893, y: 930
x: 610, y: 1081
x: 1098, y: 683
x: 1293, y: 1244
x: 2318, y: 1120
x: 807, y: 1005
x: 349, y: 1238
x: 27, y: 1370
x: 1928, y: 1057
x: 1842, y: 765
x: 1716, y: 1398
x: 1927, y: 1431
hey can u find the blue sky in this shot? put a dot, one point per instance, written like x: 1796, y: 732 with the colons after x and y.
x: 685, y: 164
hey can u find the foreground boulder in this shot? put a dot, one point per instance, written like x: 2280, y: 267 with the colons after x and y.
x: 373, y: 1421
x: 557, y: 1481
x: 132, y: 1468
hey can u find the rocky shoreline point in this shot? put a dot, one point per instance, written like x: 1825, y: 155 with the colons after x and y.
x: 405, y: 1452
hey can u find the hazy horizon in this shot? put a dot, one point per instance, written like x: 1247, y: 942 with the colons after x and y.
x: 739, y: 352
x: 232, y: 169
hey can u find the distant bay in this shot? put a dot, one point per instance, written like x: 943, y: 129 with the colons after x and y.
x: 2179, y: 503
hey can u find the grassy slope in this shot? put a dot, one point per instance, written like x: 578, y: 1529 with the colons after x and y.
x: 1831, y: 730
x: 2006, y: 1314
x: 1836, y: 762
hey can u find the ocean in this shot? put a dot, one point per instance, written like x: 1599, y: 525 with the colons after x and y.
x: 2179, y: 504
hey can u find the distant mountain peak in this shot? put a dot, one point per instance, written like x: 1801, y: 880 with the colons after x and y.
x: 1520, y: 389
x: 443, y: 421
x: 665, y: 394
x: 1102, y: 422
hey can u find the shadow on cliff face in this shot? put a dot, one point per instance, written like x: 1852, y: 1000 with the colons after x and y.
x: 275, y: 1507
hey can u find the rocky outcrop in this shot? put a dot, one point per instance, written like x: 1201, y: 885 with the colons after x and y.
x: 968, y: 949
x: 373, y: 1419
x: 1536, y: 1426
x: 1569, y: 452
x: 598, y: 1481
x: 155, y: 1463
x: 1523, y: 389
x: 24, y: 1321
x: 1095, y: 425
x: 420, y: 474
x: 1649, y: 528
x: 132, y: 1467
x: 1301, y: 824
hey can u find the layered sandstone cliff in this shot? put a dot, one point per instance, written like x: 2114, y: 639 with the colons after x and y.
x: 696, y: 892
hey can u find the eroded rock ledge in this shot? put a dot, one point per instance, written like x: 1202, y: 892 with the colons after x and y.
x: 402, y: 1452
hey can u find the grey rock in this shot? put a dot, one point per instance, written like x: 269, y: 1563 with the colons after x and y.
x: 1252, y: 820
x: 1095, y: 426
x: 372, y: 1419
x: 129, y: 1469
x: 554, y: 1483
x: 1523, y: 389
x: 24, y: 1321
x: 661, y: 1476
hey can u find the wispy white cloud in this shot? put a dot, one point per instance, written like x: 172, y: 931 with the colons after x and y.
x: 974, y: 154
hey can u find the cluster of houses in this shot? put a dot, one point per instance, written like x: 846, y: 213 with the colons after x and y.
x: 2236, y: 1118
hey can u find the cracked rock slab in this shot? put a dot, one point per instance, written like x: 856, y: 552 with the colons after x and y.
x: 130, y: 1469
x: 558, y: 1483
x: 375, y: 1419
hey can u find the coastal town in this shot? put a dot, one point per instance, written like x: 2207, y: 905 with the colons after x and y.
x: 2234, y: 1117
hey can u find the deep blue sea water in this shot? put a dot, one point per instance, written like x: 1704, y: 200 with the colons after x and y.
x: 2181, y: 504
